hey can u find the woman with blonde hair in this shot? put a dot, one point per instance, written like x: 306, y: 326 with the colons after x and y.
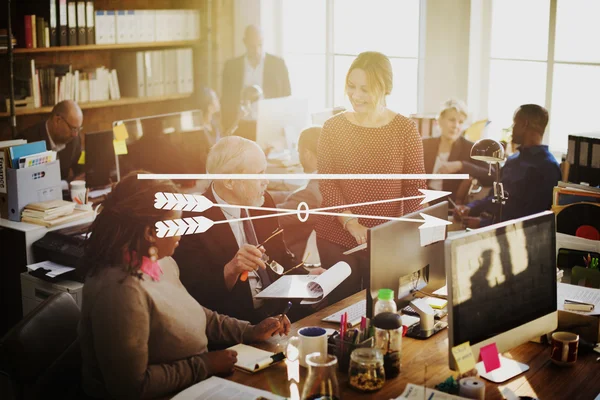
x: 451, y: 152
x: 370, y: 139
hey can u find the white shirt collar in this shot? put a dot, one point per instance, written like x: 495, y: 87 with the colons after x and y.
x: 260, y: 62
x: 53, y: 146
x: 230, y: 213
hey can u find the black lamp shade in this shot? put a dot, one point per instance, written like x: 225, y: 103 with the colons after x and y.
x: 488, y: 150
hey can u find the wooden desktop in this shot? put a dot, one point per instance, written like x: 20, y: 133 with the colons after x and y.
x: 544, y: 380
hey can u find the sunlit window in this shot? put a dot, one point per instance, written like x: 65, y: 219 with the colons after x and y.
x: 320, y: 38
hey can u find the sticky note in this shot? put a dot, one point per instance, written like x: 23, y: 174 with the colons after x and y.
x: 490, y: 358
x: 81, y: 158
x: 120, y: 147
x: 120, y: 131
x: 463, y: 357
x: 436, y: 303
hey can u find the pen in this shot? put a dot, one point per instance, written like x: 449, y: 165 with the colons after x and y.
x: 285, y: 311
x: 452, y: 202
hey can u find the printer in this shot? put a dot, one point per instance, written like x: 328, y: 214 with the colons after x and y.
x: 63, y: 246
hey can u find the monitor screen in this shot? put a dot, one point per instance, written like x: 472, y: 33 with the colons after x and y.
x: 173, y: 143
x: 100, y: 161
x: 501, y: 278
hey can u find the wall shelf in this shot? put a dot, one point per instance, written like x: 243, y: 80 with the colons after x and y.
x: 98, y: 47
x: 102, y: 104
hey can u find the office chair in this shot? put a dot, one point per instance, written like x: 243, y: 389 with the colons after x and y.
x: 591, y: 277
x: 40, y: 356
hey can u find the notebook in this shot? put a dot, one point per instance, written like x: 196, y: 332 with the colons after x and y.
x: 251, y: 359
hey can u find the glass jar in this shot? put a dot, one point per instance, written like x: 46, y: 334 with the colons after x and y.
x: 385, y: 302
x: 366, y: 372
x: 388, y: 338
x: 321, y: 383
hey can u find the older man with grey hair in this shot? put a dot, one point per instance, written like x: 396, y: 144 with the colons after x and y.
x: 224, y: 267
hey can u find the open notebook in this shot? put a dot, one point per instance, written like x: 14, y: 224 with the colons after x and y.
x: 252, y: 359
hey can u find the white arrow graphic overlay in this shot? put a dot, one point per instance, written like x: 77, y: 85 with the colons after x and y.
x: 181, y: 202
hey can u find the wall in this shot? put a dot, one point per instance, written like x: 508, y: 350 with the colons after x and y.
x: 446, y: 52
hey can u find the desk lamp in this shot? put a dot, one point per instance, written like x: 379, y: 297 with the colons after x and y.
x: 492, y: 152
x: 249, y: 96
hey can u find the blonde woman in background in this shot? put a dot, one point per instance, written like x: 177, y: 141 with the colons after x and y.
x: 450, y: 153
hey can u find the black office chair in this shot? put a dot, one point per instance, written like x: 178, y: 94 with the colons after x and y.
x: 40, y: 357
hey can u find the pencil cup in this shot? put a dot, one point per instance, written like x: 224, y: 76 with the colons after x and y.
x: 343, y: 348
x: 78, y: 192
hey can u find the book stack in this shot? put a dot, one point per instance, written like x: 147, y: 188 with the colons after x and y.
x: 52, y: 213
x: 4, y: 40
x: 50, y: 84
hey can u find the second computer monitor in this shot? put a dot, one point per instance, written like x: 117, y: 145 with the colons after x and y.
x: 101, y: 164
x: 502, y: 283
x: 280, y: 122
x: 396, y: 254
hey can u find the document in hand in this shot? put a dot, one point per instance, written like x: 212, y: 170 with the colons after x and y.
x: 223, y: 389
x: 311, y: 288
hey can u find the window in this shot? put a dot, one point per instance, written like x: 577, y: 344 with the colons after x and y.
x: 320, y: 39
x: 546, y: 52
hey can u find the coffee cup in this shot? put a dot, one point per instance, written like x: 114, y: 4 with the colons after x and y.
x: 311, y: 339
x: 564, y: 348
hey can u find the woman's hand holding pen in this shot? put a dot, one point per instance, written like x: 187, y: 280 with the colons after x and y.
x: 270, y: 327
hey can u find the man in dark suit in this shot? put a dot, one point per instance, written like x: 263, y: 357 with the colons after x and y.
x: 61, y: 134
x: 212, y: 264
x: 297, y: 232
x: 253, y: 68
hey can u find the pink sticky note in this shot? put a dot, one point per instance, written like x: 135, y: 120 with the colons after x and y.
x: 490, y: 358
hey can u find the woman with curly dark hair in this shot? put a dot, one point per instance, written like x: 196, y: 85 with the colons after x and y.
x: 142, y: 335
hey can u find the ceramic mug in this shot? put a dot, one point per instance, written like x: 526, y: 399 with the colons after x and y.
x: 564, y: 348
x: 78, y: 192
x: 311, y: 339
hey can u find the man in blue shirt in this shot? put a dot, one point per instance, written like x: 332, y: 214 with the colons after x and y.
x: 528, y: 176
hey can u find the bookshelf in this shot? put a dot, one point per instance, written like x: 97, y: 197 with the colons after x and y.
x: 100, y: 47
x: 123, y: 101
x: 209, y: 55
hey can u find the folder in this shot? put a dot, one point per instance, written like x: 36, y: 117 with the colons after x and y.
x: 52, y: 24
x: 90, y: 34
x: 63, y: 35
x: 81, y: 26
x: 72, y: 22
x: 122, y: 33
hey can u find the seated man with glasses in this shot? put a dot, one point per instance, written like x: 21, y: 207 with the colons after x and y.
x: 61, y: 134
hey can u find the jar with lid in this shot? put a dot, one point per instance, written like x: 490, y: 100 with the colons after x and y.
x: 385, y: 302
x: 321, y: 383
x: 388, y: 338
x: 366, y: 372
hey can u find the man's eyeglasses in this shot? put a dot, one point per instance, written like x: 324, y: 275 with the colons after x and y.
x: 73, y: 129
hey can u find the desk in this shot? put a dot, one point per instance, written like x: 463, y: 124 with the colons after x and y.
x: 543, y: 380
x: 16, y: 239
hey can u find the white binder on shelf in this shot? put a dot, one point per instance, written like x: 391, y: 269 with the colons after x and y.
x: 122, y: 28
x: 132, y: 74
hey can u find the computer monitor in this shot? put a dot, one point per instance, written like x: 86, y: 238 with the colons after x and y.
x: 280, y: 122
x: 101, y: 165
x: 174, y: 143
x: 502, y: 287
x: 399, y: 262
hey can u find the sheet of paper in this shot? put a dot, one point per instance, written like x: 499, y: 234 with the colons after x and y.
x: 489, y: 356
x: 578, y: 293
x: 328, y: 281
x: 463, y: 357
x: 249, y: 356
x: 432, y: 235
x: 55, y: 269
x: 289, y: 287
x: 417, y: 392
x: 355, y: 249
x: 215, y: 388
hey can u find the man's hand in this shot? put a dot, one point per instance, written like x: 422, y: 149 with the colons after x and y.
x: 247, y: 259
x: 450, y: 167
x: 358, y: 231
x: 461, y: 212
x: 270, y: 327
x: 221, y: 362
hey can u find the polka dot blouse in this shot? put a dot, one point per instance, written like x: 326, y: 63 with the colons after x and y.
x: 346, y: 148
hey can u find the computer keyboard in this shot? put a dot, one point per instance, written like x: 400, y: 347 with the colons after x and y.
x: 355, y: 312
